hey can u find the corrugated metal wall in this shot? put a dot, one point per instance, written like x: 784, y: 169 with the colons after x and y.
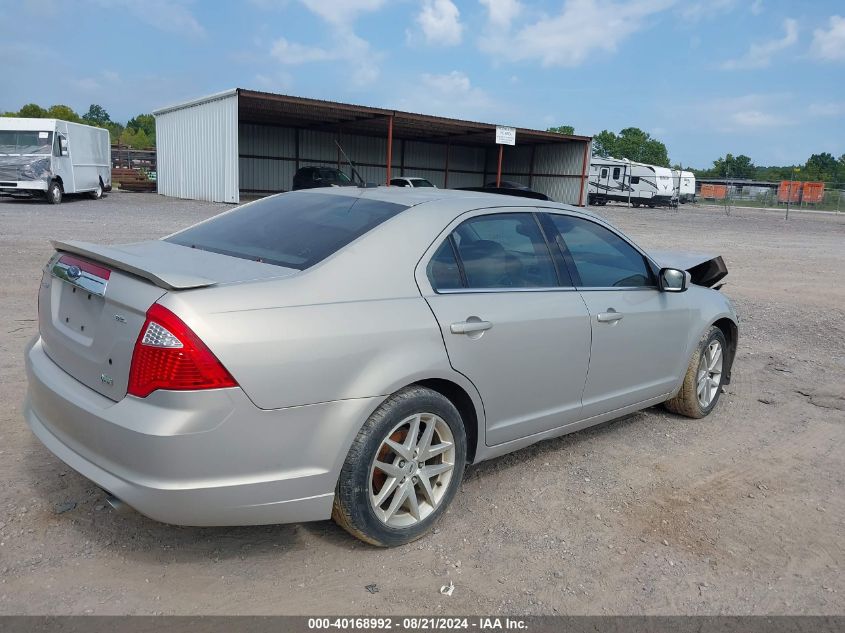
x: 197, y: 150
x: 268, y: 161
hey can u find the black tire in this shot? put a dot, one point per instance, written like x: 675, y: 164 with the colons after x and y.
x: 55, y: 192
x: 353, y: 509
x: 636, y: 205
x: 686, y: 401
x: 98, y: 192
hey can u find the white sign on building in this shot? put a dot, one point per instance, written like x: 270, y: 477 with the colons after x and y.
x: 505, y: 135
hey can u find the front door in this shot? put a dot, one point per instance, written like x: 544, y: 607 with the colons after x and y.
x: 639, y: 334
x: 512, y: 323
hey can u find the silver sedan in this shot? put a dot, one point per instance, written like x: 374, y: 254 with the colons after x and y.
x: 346, y: 352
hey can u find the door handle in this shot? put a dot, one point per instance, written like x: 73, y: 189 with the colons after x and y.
x: 468, y: 327
x: 611, y: 316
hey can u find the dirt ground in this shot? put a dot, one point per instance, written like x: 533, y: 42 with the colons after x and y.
x: 740, y: 513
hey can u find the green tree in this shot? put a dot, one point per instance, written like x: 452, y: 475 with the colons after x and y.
x: 96, y: 115
x: 631, y: 143
x: 32, y: 111
x: 562, y: 129
x: 63, y: 112
x: 136, y: 139
x: 635, y: 144
x: 821, y: 167
x: 740, y: 167
x: 604, y: 144
x: 115, y: 130
x: 146, y: 122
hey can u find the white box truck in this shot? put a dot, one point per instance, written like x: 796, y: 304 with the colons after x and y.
x: 49, y: 158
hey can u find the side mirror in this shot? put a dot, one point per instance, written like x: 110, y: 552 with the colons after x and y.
x: 673, y: 280
x: 63, y: 144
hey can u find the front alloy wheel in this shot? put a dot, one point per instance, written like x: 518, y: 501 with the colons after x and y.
x: 709, y: 377
x: 402, y: 469
x: 703, y: 380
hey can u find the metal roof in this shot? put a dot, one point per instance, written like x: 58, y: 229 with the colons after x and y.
x: 286, y: 110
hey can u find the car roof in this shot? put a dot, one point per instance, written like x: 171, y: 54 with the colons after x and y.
x: 451, y: 201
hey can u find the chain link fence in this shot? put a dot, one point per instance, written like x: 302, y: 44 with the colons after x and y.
x: 829, y: 197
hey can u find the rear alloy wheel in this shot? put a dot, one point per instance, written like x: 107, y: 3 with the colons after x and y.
x: 98, y: 192
x: 54, y: 192
x: 702, y: 384
x: 402, y: 470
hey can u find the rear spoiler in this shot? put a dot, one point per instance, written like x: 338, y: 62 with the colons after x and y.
x: 506, y: 191
x: 158, y: 264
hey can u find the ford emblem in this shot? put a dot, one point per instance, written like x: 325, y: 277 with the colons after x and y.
x: 73, y: 272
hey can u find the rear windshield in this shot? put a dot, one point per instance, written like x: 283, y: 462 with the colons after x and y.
x: 295, y: 230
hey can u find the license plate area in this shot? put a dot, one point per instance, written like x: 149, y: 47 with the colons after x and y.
x: 79, y: 312
x: 78, y: 298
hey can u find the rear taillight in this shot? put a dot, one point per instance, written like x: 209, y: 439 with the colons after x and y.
x: 168, y: 355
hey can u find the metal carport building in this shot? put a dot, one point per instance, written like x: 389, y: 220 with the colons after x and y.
x: 248, y: 143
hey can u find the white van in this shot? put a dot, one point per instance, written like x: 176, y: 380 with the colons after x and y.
x: 50, y: 157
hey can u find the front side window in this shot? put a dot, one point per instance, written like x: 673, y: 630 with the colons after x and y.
x: 295, y: 230
x: 601, y: 258
x: 616, y: 173
x: 635, y: 180
x: 422, y: 182
x: 504, y: 250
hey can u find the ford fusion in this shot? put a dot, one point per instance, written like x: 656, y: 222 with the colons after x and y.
x: 346, y: 352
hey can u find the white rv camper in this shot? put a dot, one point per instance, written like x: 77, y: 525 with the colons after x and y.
x: 684, y: 182
x: 50, y: 157
x: 623, y: 180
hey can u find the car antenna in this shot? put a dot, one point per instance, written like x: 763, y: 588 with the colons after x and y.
x: 361, y: 182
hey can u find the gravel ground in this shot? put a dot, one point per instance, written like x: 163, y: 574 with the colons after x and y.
x: 739, y: 513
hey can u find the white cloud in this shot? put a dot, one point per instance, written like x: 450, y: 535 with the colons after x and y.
x: 500, y: 13
x: 829, y: 44
x: 355, y: 52
x: 826, y: 109
x: 293, y: 54
x: 746, y: 113
x: 440, y: 22
x: 342, y: 11
x: 450, y: 94
x: 695, y: 10
x: 580, y: 29
x: 760, y: 54
x: 165, y: 15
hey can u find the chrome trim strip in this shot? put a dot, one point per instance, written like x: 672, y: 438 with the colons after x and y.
x: 460, y: 291
x: 86, y: 281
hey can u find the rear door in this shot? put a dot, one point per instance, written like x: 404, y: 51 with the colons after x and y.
x: 511, y: 321
x: 639, y: 334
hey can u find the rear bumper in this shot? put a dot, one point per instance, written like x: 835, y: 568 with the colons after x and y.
x: 195, y: 458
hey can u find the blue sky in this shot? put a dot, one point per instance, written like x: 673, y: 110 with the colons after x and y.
x: 760, y: 77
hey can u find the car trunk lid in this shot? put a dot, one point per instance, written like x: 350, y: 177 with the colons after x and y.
x: 93, y: 301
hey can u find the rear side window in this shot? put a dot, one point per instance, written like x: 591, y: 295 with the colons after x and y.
x: 443, y: 269
x: 295, y: 230
x: 505, y: 250
x: 616, y: 173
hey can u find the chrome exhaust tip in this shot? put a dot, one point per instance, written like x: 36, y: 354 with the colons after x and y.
x: 118, y: 505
